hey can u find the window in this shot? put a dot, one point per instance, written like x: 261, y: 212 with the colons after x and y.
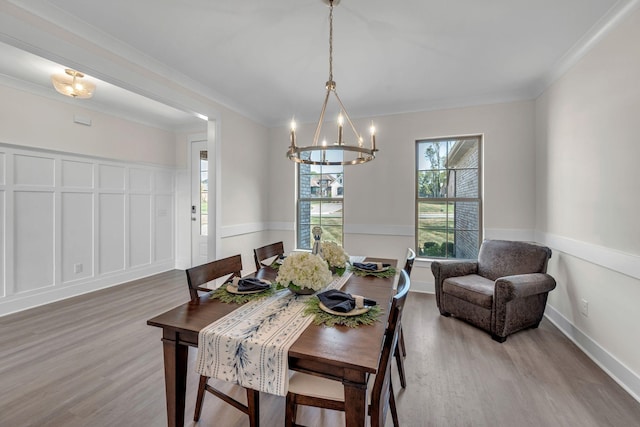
x: 204, y: 193
x: 448, y: 197
x: 320, y: 197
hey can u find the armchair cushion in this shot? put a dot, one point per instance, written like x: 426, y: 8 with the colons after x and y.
x: 472, y: 288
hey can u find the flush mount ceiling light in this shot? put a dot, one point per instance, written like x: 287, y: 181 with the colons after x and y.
x: 72, y: 84
x: 323, y: 154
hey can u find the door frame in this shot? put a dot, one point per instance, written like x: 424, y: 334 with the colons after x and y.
x: 213, y: 154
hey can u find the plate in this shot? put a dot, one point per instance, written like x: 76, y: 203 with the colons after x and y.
x: 372, y: 271
x: 234, y: 290
x: 354, y: 312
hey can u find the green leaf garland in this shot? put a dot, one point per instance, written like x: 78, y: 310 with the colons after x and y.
x: 390, y: 272
x: 227, y: 297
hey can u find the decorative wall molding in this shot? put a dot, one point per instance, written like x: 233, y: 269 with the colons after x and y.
x: 240, y: 229
x: 612, y: 259
x: 281, y: 226
x: 621, y: 262
x: 621, y: 374
x: 608, y: 22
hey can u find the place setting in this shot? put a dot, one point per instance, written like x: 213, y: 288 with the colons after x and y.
x: 334, y: 307
x: 377, y: 269
x: 241, y: 290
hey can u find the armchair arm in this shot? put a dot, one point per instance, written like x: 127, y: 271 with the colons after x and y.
x: 527, y: 295
x: 523, y: 285
x: 442, y: 270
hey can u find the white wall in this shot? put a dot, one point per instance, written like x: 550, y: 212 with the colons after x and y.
x: 379, y: 211
x: 587, y: 155
x: 36, y: 121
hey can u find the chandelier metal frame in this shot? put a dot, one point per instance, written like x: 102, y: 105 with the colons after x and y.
x: 358, y: 152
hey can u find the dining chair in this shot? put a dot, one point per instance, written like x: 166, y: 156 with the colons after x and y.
x: 266, y: 252
x: 196, y: 277
x: 401, y: 351
x: 202, y: 274
x: 312, y: 390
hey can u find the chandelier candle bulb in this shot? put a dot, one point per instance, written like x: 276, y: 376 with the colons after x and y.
x: 373, y: 137
x: 293, y: 134
x: 324, y: 152
x: 340, y: 123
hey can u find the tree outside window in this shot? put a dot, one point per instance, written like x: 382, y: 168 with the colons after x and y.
x: 448, y: 202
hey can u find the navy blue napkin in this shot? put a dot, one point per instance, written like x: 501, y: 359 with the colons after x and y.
x: 252, y: 284
x: 368, y: 266
x: 341, y: 301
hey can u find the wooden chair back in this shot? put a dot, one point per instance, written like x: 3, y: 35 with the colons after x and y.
x: 411, y: 257
x: 266, y: 252
x: 201, y: 274
x: 399, y: 299
x: 382, y: 392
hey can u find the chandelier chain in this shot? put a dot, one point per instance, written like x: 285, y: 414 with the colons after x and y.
x: 331, y: 42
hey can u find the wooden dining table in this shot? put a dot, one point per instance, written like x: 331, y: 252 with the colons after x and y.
x: 340, y: 353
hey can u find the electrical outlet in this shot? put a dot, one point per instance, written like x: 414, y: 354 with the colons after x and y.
x: 584, y: 307
x: 77, y: 268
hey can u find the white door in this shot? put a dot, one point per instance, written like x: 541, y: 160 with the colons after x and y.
x: 199, y: 202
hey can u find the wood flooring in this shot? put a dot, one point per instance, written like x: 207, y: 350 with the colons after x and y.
x: 93, y: 361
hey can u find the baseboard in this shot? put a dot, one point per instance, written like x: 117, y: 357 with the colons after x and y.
x: 625, y: 377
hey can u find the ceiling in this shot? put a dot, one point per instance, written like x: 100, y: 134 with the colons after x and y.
x: 269, y: 59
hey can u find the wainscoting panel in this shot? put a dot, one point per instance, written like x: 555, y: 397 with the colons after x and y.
x: 139, y: 229
x: 78, y: 223
x: 77, y: 174
x: 2, y: 238
x: 139, y: 180
x: 164, y: 225
x: 33, y: 170
x: 77, y: 236
x: 164, y: 180
x: 33, y: 240
x: 2, y: 169
x: 111, y: 216
x: 111, y: 177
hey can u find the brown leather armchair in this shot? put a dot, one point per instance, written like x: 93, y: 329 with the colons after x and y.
x: 503, y: 291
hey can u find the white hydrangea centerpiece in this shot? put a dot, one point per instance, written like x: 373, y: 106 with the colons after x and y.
x: 302, y: 270
x: 335, y: 255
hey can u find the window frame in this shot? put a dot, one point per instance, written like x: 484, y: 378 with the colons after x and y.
x: 447, y: 200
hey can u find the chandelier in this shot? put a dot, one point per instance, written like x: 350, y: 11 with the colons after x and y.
x: 317, y: 153
x: 71, y: 84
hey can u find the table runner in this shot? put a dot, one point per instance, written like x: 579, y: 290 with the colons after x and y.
x: 250, y: 345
